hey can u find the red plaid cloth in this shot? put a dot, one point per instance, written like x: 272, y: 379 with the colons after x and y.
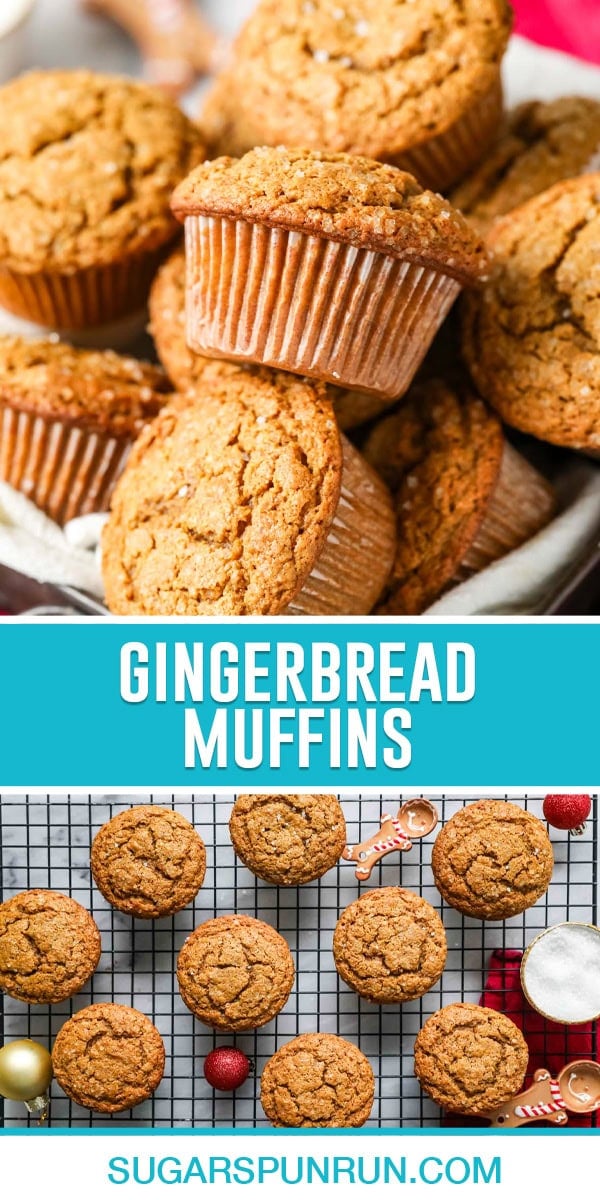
x: 550, y: 1045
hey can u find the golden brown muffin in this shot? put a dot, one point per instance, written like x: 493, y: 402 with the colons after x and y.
x: 235, y: 972
x: 68, y: 419
x: 492, y: 860
x: 463, y: 496
x: 148, y: 861
x: 186, y: 369
x: 234, y: 496
x: 288, y: 840
x: 318, y: 1081
x: 87, y: 166
x: 108, y: 1058
x: 531, y: 339
x: 390, y: 946
x: 470, y: 1059
x: 416, y: 83
x: 49, y: 947
x: 541, y: 143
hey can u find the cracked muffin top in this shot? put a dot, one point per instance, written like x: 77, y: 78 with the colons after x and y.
x: 148, y: 861
x: 340, y: 197
x: 96, y: 389
x: 440, y: 454
x: 108, y: 1057
x: 235, y: 972
x: 226, y: 500
x: 318, y: 1081
x: 49, y: 947
x: 541, y: 144
x: 288, y: 840
x: 470, y: 1059
x: 360, y: 76
x: 531, y: 339
x: 492, y: 860
x: 390, y: 946
x: 87, y: 166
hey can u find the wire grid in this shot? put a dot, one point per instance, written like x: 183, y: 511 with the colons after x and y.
x: 45, y: 842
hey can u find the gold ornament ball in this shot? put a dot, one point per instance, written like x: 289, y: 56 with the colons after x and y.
x: 25, y: 1070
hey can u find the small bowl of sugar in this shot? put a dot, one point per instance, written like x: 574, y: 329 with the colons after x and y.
x: 14, y: 15
x: 560, y: 973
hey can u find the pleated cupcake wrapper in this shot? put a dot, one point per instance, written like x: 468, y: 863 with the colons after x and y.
x: 522, y: 503
x: 356, y: 318
x: 447, y: 158
x: 353, y: 566
x: 89, y: 297
x: 64, y: 470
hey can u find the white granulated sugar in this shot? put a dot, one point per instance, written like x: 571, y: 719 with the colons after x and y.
x: 561, y: 973
x: 362, y: 28
x: 321, y: 56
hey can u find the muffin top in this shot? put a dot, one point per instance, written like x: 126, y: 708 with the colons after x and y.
x: 532, y: 338
x: 390, y: 945
x: 287, y: 839
x: 440, y: 454
x: 148, y: 861
x: 95, y: 389
x: 235, y: 972
x: 470, y: 1059
x: 362, y: 76
x: 49, y: 946
x: 226, y: 500
x: 542, y: 143
x: 492, y: 859
x: 87, y: 165
x: 108, y: 1057
x: 318, y: 1080
x: 339, y: 197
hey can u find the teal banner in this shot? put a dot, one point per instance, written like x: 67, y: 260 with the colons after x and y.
x: 281, y: 704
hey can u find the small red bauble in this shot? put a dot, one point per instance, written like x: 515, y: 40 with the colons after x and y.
x: 226, y: 1068
x: 567, y: 812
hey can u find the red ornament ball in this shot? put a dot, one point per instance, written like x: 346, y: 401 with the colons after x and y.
x: 226, y: 1068
x: 567, y: 812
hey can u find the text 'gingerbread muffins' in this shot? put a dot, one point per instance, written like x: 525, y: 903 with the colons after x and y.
x: 49, y: 946
x: 148, y: 861
x: 492, y: 860
x: 318, y: 1081
x: 390, y: 946
x: 470, y: 1059
x: 108, y: 1057
x: 415, y: 84
x: 332, y: 266
x: 235, y: 972
x: 242, y: 499
x: 531, y: 339
x: 288, y: 839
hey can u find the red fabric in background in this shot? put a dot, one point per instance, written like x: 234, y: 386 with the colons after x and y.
x: 569, y: 25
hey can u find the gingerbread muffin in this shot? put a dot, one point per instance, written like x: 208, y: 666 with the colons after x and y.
x: 108, y: 1058
x: 288, y: 840
x: 242, y: 499
x: 295, y: 257
x: 68, y: 419
x: 235, y: 973
x: 148, y: 861
x: 318, y: 1081
x: 186, y: 369
x: 49, y: 947
x: 417, y: 85
x: 463, y: 496
x: 470, y: 1059
x: 390, y: 946
x: 492, y: 860
x: 531, y: 339
x: 87, y: 165
x: 540, y: 144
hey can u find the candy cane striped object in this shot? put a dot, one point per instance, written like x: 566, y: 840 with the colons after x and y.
x: 557, y: 1104
x: 389, y: 843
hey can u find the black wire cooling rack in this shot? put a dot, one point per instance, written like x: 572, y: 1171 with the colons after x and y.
x: 45, y: 842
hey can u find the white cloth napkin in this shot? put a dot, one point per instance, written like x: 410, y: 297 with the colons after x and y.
x: 30, y: 542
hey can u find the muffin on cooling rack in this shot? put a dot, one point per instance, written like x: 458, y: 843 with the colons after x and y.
x: 148, y: 861
x: 390, y: 946
x: 108, y: 1058
x: 470, y: 1059
x: 288, y: 839
x: 49, y: 946
x: 318, y: 1080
